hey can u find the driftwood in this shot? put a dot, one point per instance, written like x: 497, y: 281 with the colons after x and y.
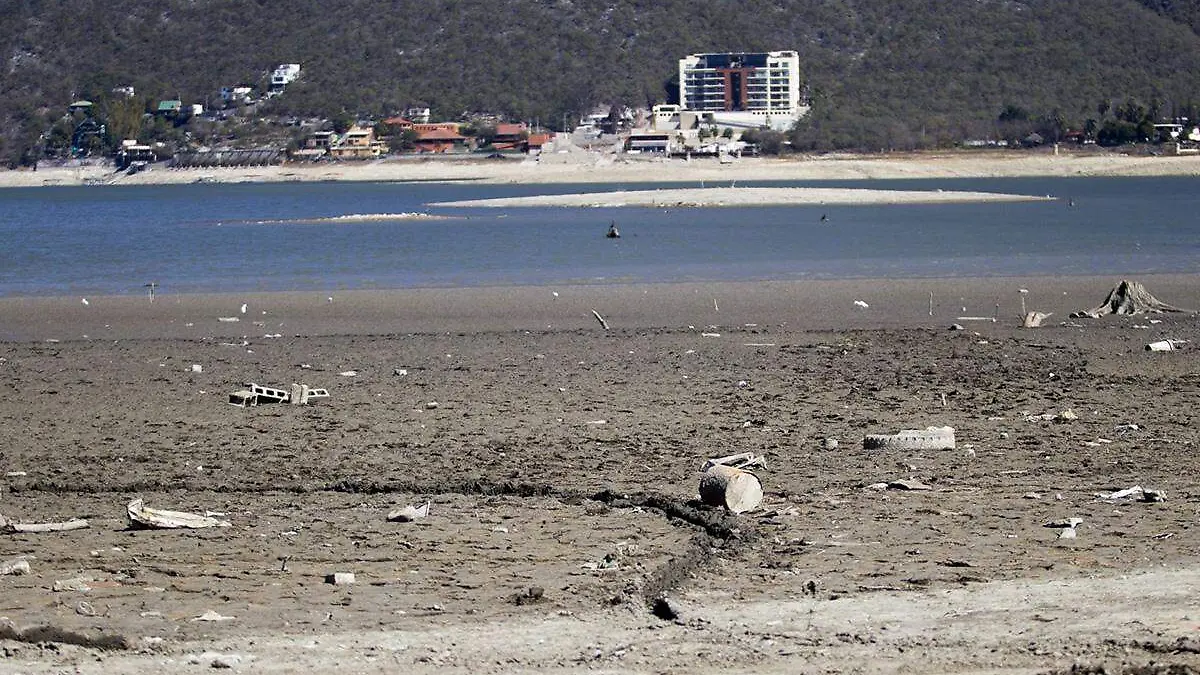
x: 599, y: 318
x: 409, y: 513
x: 1128, y: 297
x: 1035, y: 319
x: 142, y: 516
x: 737, y: 490
x: 37, y: 528
x: 741, y: 460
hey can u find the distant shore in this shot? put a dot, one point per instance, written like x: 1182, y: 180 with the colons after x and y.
x: 579, y: 166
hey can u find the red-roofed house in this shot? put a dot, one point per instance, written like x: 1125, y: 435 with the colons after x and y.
x: 440, y: 140
x: 510, y: 137
x: 398, y: 122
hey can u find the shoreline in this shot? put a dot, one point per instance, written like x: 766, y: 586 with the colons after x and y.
x: 590, y: 167
x: 805, y: 305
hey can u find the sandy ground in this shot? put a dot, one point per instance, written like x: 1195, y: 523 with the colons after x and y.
x: 578, y: 166
x: 561, y: 463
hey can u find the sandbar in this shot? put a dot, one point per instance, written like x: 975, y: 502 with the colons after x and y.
x: 746, y: 196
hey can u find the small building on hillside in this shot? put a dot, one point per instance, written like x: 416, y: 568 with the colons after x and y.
x: 284, y: 74
x: 169, y: 108
x: 237, y: 94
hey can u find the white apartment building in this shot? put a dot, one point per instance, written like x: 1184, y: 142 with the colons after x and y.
x: 743, y: 89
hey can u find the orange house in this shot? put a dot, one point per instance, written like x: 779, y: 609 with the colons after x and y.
x: 439, y: 140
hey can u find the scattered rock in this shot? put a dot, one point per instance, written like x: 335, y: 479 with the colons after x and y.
x: 14, y: 567
x: 529, y: 596
x: 665, y: 609
x: 213, y: 616
x: 80, y: 584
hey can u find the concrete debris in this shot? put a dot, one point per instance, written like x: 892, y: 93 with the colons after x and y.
x: 930, y: 438
x: 1065, y: 527
x: 255, y: 394
x: 340, y: 578
x: 1168, y: 345
x: 1136, y: 492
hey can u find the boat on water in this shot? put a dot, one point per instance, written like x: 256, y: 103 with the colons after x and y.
x: 613, y: 232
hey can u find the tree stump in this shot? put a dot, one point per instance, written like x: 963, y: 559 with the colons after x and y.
x: 1128, y: 297
x: 737, y: 490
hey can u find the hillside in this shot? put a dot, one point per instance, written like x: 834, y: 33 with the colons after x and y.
x: 882, y: 73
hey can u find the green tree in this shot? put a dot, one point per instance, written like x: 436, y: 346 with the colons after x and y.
x: 124, y: 117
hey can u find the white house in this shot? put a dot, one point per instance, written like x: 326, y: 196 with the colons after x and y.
x: 285, y: 74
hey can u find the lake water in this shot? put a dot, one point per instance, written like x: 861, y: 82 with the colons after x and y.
x: 227, y: 238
